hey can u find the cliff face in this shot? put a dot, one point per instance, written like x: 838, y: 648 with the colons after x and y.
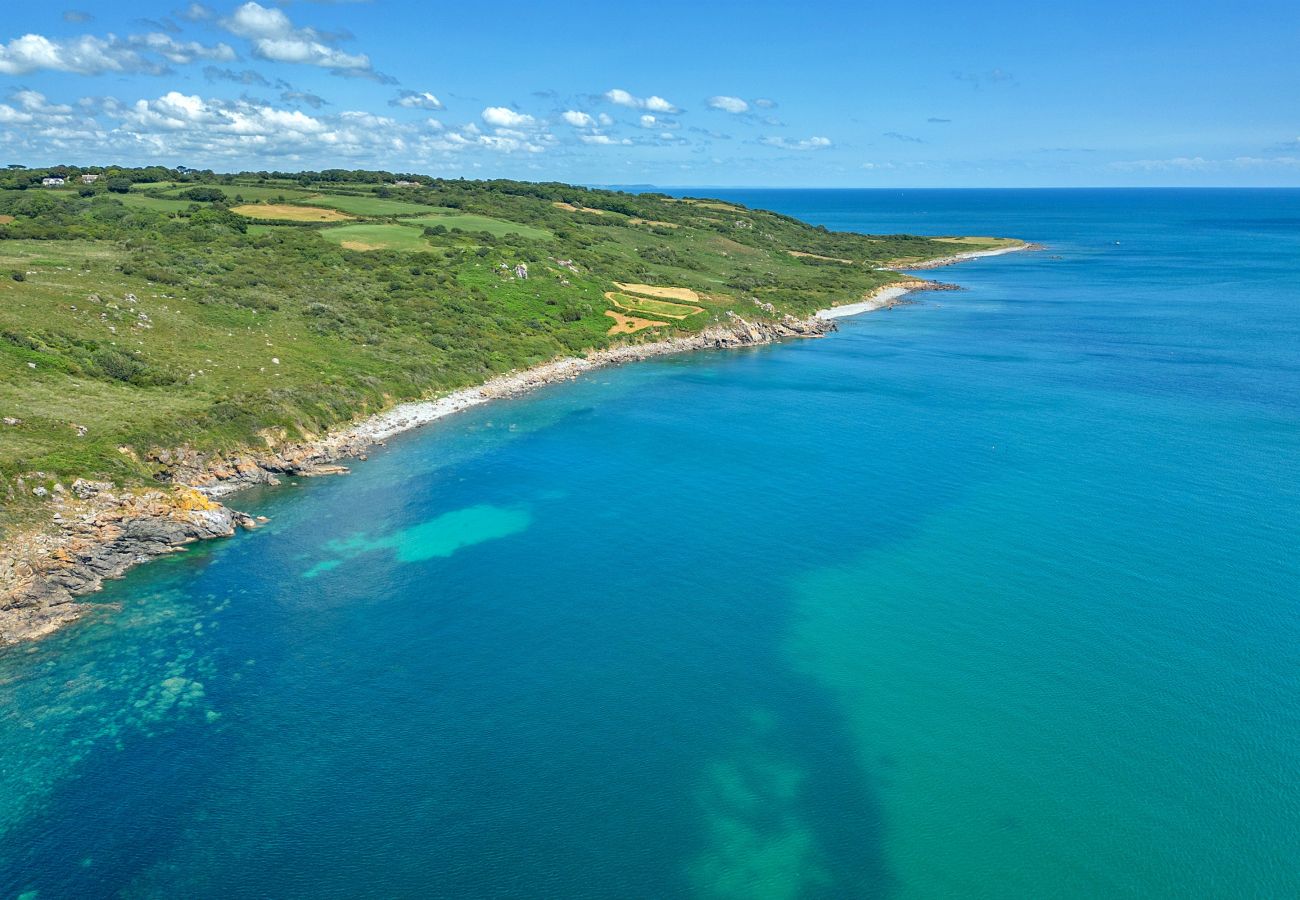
x: 101, y: 531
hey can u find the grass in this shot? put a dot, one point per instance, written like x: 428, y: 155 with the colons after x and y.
x: 288, y: 213
x: 366, y: 206
x: 652, y: 307
x: 376, y: 236
x: 158, y: 204
x: 470, y: 222
x: 257, y: 193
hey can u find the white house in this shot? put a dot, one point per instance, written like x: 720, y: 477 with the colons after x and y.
x: 89, y: 178
x: 54, y: 181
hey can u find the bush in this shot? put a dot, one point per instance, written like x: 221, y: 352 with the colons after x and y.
x: 205, y: 194
x: 119, y: 185
x: 18, y: 276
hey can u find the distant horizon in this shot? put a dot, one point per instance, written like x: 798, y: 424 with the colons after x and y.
x: 650, y: 186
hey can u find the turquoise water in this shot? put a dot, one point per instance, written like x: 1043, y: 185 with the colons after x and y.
x: 994, y: 595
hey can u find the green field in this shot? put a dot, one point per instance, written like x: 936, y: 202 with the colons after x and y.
x: 252, y: 193
x: 158, y: 204
x: 366, y: 206
x: 376, y: 236
x: 470, y: 222
x: 652, y: 307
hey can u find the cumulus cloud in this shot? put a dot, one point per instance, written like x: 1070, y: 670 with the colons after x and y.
x: 603, y: 140
x: 216, y: 132
x: 274, y: 37
x: 416, y: 100
x: 577, y: 119
x: 812, y: 143
x: 91, y: 55
x: 180, y: 52
x: 505, y: 117
x: 653, y: 103
x: 733, y: 105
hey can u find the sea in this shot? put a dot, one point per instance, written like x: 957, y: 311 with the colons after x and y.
x: 996, y: 594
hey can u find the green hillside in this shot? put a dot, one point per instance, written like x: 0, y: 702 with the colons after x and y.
x: 133, y: 317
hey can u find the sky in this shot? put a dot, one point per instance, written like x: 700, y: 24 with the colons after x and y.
x: 758, y: 93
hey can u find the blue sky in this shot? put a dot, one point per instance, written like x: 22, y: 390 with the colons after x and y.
x: 672, y: 93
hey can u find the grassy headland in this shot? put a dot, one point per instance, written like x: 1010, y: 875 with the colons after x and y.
x: 160, y: 308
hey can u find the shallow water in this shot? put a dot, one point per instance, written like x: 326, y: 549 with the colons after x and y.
x: 991, y: 595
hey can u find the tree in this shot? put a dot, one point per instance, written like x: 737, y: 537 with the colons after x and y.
x: 119, y: 185
x: 205, y: 194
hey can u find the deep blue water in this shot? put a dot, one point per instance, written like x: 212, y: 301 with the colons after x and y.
x: 993, y: 595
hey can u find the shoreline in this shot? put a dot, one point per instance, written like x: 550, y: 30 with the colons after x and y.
x: 966, y: 256
x: 104, y: 531
x: 881, y: 298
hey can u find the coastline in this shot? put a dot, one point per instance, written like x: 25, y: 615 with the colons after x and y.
x: 968, y: 255
x: 105, y: 531
x: 881, y: 298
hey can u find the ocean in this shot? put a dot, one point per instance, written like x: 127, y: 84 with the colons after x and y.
x: 993, y: 595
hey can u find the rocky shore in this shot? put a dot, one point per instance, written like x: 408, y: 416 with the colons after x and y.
x: 102, y: 530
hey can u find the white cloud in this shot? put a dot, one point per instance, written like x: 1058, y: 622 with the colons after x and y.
x: 812, y: 143
x: 603, y: 140
x: 252, y: 21
x: 90, y: 55
x: 765, y: 103
x: 181, y: 53
x: 577, y: 119
x: 504, y: 117
x: 620, y: 97
x: 214, y: 132
x: 274, y: 37
x: 648, y: 121
x: 416, y: 100
x: 732, y: 105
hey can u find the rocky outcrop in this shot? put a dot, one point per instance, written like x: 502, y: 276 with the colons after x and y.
x: 101, y: 531
x: 99, y: 534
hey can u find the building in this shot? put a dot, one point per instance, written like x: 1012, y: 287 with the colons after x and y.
x: 89, y: 178
x: 53, y: 181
